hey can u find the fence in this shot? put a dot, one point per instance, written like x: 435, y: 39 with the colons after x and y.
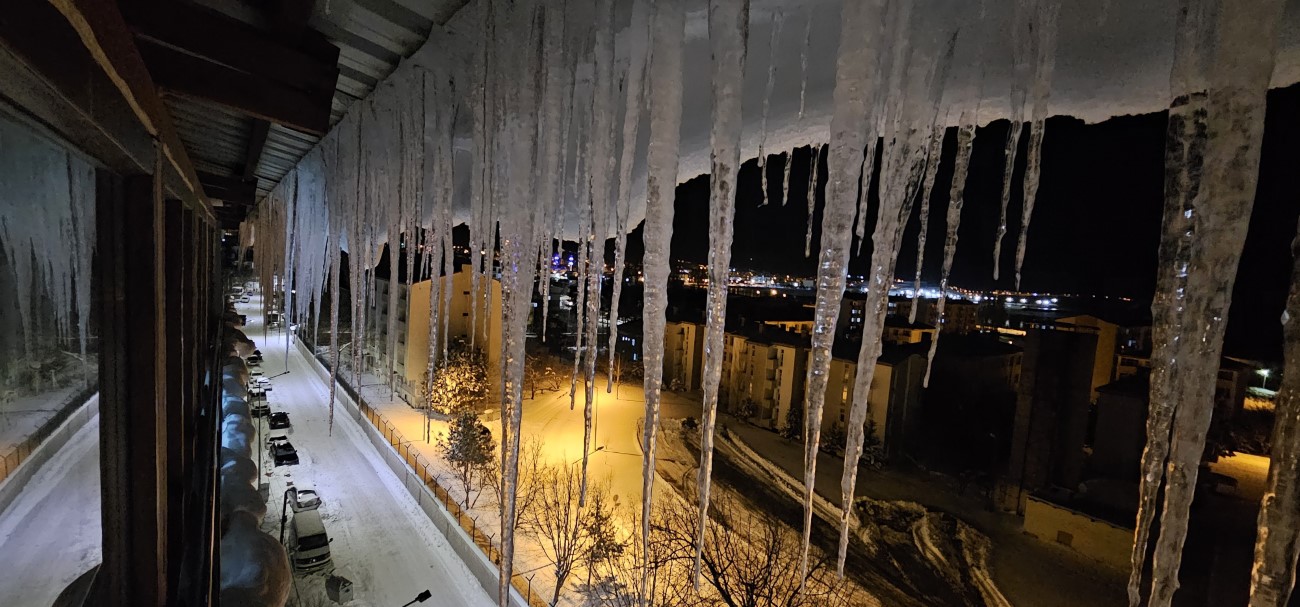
x: 420, y: 468
x: 16, y: 456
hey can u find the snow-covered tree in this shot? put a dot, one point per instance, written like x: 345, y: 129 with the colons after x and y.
x: 460, y: 383
x: 468, y: 447
x: 541, y: 372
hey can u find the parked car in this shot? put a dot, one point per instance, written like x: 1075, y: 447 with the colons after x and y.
x: 309, y: 542
x: 283, y: 452
x: 243, y: 299
x: 305, y: 498
x: 260, y: 408
x: 255, y: 359
x: 280, y: 420
x: 264, y: 382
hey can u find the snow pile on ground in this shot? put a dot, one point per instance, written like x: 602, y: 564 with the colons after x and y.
x: 907, y: 544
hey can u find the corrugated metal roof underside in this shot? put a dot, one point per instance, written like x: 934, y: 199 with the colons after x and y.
x: 373, y: 36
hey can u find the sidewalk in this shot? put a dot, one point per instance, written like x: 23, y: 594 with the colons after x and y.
x: 1029, y: 572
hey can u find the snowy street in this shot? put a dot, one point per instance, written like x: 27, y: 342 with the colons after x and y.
x: 51, y: 533
x: 385, y: 544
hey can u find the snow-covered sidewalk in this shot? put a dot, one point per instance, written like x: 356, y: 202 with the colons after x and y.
x: 382, y: 540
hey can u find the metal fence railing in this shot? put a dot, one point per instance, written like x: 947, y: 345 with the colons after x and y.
x: 19, y: 453
x: 421, y: 468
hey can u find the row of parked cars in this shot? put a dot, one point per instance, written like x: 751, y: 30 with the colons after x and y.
x: 309, y: 544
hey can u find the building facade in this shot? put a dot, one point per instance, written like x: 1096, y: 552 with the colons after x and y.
x: 412, y: 326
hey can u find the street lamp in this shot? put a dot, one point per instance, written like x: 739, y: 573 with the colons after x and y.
x: 284, y: 509
x: 1263, y: 383
x: 419, y: 598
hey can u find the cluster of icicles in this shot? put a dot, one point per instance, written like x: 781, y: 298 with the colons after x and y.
x: 47, y: 230
x: 554, y: 100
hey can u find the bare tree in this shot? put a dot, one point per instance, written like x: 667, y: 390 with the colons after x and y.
x: 540, y: 373
x: 751, y: 559
x: 526, y: 489
x: 557, y: 521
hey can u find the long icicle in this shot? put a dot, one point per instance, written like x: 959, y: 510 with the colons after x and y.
x: 728, y: 32
x: 903, y: 163
x: 767, y: 100
x: 956, y: 198
x: 1212, y: 166
x: 1045, y: 63
x: 803, y: 58
x: 664, y: 75
x: 788, y: 159
x: 631, y: 123
x: 927, y: 183
x: 850, y: 124
x: 1277, y: 543
x: 598, y: 181
x: 812, y: 198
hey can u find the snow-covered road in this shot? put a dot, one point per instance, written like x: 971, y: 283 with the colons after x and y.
x: 50, y: 534
x: 381, y: 539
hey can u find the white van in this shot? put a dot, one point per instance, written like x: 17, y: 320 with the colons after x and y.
x: 308, y: 542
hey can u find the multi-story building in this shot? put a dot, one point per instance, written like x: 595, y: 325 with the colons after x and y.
x: 959, y: 316
x: 412, y: 326
x: 683, y: 354
x: 763, y: 371
x: 893, y: 399
x: 899, y: 331
x: 1051, y: 418
x: 1229, y: 389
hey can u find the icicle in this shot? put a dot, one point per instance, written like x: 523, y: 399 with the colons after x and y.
x: 638, y: 34
x: 1223, y: 58
x: 728, y: 31
x: 812, y: 198
x: 788, y: 159
x: 767, y: 99
x: 913, y: 114
x: 602, y: 168
x: 1045, y: 63
x: 931, y: 171
x: 1276, y: 542
x: 516, y: 245
x: 803, y: 59
x: 868, y: 170
x: 664, y: 74
x: 956, y: 197
x: 554, y: 125
x: 1009, y: 154
x: 859, y: 50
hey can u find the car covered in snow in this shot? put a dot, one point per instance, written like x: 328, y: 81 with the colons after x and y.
x: 308, y: 542
x: 282, y: 451
x: 305, y: 498
x: 280, y: 420
x: 260, y: 408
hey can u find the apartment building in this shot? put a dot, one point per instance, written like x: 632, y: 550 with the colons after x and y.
x: 412, y: 326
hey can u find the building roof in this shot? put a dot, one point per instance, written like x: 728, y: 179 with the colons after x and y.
x: 900, y: 321
x: 1133, y: 385
x: 975, y: 345
x: 893, y: 354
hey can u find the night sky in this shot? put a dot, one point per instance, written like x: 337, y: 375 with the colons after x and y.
x: 1095, y: 229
